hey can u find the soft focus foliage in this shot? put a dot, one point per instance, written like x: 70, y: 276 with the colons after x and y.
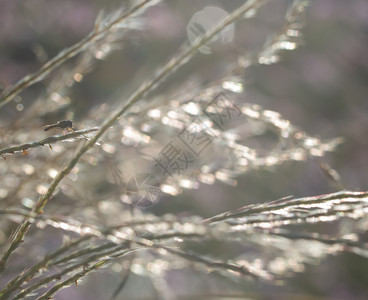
x: 129, y: 195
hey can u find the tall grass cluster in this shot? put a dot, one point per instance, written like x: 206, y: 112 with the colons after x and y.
x: 79, y: 207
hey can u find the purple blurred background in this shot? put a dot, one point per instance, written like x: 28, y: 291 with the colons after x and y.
x: 320, y: 87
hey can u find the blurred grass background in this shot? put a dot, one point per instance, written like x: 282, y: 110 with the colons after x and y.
x: 320, y: 87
